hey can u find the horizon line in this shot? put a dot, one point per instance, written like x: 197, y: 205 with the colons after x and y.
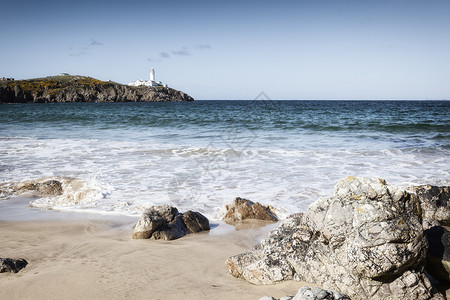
x: 262, y: 100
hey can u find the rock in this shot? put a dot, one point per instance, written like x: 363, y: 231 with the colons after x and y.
x: 438, y: 256
x: 83, y: 89
x: 51, y: 192
x: 428, y: 223
x: 307, y: 293
x: 267, y: 262
x: 165, y: 222
x: 366, y: 241
x: 195, y: 222
x: 44, y: 188
x: 12, y: 265
x: 242, y: 209
x: 435, y: 203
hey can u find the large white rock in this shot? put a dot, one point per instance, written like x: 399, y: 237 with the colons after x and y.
x: 366, y: 241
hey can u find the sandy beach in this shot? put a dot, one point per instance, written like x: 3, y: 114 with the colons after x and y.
x: 97, y: 259
x: 90, y: 256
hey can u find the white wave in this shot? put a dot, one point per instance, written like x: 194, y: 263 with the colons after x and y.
x: 203, y: 177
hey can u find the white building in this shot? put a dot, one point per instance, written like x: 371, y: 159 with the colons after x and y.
x: 151, y: 82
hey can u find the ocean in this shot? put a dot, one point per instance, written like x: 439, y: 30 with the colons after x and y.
x: 119, y: 158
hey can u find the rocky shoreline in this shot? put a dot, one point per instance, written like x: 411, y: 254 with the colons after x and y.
x: 370, y: 240
x: 68, y: 88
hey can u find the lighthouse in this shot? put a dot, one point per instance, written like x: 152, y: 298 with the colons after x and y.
x: 151, y: 82
x: 152, y: 75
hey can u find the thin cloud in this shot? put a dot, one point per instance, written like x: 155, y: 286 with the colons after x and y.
x: 202, y: 46
x: 94, y: 42
x: 181, y: 52
x: 164, y: 54
x: 84, y: 49
x: 153, y: 60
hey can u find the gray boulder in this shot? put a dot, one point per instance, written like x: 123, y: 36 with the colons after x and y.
x: 307, y: 293
x: 435, y: 203
x: 438, y: 256
x: 12, y: 265
x: 166, y: 223
x: 315, y: 293
x: 366, y: 241
x: 242, y: 209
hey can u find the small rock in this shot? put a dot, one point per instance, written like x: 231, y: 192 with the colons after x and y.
x: 307, y: 293
x: 50, y: 188
x: 166, y: 223
x: 242, y: 209
x: 42, y: 187
x: 315, y: 293
x: 438, y: 256
x: 12, y: 265
x: 195, y: 221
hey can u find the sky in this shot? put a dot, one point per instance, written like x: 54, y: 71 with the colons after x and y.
x: 234, y: 50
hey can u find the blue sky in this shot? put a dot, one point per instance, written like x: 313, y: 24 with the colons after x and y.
x: 317, y: 49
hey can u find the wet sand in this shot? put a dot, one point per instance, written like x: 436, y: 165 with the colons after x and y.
x: 88, y: 256
x: 97, y: 259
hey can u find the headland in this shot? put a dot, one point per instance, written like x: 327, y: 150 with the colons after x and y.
x: 74, y: 88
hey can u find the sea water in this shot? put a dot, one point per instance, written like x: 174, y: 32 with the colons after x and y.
x: 119, y: 158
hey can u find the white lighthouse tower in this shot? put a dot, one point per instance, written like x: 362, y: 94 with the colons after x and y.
x: 152, y: 75
x: 151, y: 82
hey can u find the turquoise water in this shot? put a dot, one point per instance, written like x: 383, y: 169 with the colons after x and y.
x: 201, y: 155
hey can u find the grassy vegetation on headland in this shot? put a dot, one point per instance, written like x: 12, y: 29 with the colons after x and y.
x: 54, y: 83
x: 70, y: 88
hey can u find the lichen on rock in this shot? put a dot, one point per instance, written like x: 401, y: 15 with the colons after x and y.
x: 366, y: 241
x: 435, y: 204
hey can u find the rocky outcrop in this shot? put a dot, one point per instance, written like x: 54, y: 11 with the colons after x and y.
x: 366, y: 241
x: 242, y: 209
x: 435, y: 203
x: 315, y: 293
x: 438, y: 256
x: 12, y: 265
x: 83, y: 89
x: 166, y: 223
x: 45, y: 188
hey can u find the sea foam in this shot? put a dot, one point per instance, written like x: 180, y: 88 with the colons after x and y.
x: 123, y: 158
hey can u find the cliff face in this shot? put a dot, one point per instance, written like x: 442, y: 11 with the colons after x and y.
x: 83, y: 89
